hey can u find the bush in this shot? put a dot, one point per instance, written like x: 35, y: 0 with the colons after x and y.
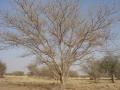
x: 2, y: 69
x: 41, y: 72
x: 73, y: 73
x: 33, y: 70
x: 45, y: 72
x: 109, y: 66
x: 93, y: 69
x: 17, y: 73
x: 117, y: 71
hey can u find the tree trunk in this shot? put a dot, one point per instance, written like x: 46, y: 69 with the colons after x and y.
x: 62, y: 83
x: 112, y: 78
x: 95, y: 79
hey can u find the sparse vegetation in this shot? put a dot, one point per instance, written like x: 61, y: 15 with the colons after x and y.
x: 33, y: 70
x: 93, y: 69
x: 45, y: 72
x: 35, y: 83
x: 109, y: 65
x: 17, y: 73
x: 39, y: 72
x: 56, y: 32
x: 59, y: 35
x: 2, y: 69
x: 73, y: 73
x: 117, y: 71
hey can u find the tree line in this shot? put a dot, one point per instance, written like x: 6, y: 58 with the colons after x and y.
x: 109, y: 66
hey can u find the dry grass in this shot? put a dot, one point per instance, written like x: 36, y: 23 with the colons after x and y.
x: 34, y: 83
x: 85, y: 84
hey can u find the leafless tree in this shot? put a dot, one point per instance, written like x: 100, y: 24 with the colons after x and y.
x: 33, y: 70
x: 56, y: 32
x: 93, y: 69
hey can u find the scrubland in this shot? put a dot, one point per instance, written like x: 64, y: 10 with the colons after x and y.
x: 35, y: 83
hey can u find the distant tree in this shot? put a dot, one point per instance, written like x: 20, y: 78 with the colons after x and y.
x: 109, y: 64
x: 17, y: 73
x: 117, y: 71
x: 2, y: 69
x: 92, y: 68
x: 45, y: 72
x: 33, y: 70
x: 73, y: 73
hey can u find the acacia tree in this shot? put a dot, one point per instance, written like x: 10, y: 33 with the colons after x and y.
x: 33, y: 70
x: 56, y: 32
x: 2, y: 69
x: 109, y: 65
x: 93, y: 69
x: 117, y: 71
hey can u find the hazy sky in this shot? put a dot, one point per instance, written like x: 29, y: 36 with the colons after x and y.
x: 12, y: 56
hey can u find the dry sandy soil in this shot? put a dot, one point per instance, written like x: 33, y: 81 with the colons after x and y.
x: 28, y: 83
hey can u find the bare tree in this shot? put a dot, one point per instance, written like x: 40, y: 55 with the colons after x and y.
x: 33, y: 70
x: 56, y: 32
x: 73, y: 73
x: 93, y: 69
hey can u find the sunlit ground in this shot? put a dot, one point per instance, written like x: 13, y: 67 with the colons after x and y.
x: 35, y: 83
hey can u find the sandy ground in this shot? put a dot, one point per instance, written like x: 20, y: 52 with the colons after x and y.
x: 28, y: 83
